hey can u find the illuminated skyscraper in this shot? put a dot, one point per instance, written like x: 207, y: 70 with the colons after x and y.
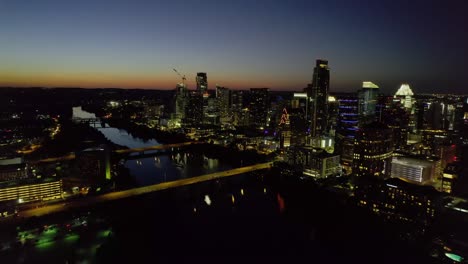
x: 181, y: 101
x: 405, y: 95
x: 347, y: 125
x: 367, y: 102
x: 223, y: 101
x: 373, y: 149
x: 259, y: 106
x: 318, y: 97
x: 285, y: 126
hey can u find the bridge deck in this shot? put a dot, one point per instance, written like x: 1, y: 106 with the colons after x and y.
x: 89, y: 201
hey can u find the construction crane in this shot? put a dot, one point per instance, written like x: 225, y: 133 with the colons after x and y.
x: 182, y: 76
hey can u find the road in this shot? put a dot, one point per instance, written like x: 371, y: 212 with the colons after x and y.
x: 89, y: 201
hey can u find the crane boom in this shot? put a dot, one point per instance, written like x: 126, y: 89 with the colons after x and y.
x: 182, y: 76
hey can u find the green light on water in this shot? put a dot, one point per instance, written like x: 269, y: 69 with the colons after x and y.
x: 454, y: 257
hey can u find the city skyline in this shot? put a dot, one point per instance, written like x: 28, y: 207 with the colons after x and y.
x: 240, y: 45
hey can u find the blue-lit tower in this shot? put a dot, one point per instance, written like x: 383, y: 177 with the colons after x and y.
x: 347, y: 125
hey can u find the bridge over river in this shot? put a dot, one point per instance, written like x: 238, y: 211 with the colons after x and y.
x: 91, y: 200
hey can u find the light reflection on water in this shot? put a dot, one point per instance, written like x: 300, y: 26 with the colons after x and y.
x: 163, y: 166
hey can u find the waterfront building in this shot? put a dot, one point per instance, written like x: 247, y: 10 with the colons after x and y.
x: 31, y: 190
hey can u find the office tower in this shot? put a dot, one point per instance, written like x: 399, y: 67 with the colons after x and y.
x: 347, y: 125
x: 259, y: 106
x: 408, y: 103
x: 464, y: 126
x: 320, y: 164
x: 298, y: 123
x: 416, y: 170
x: 405, y: 94
x: 392, y: 113
x: 367, y: 102
x: 431, y: 114
x: 223, y: 101
x: 181, y: 101
x: 237, y: 104
x: 332, y: 118
x: 373, y: 149
x: 318, y: 97
x: 285, y: 128
x: 194, y: 111
x: 202, y: 83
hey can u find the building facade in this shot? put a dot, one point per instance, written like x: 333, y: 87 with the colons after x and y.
x: 317, y: 92
x: 373, y: 149
x: 259, y: 107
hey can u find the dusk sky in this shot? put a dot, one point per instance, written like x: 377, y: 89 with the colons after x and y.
x: 240, y: 44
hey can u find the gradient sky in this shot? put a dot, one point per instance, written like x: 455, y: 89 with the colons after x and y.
x: 239, y: 43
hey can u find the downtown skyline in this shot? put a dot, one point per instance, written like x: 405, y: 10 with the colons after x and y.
x: 241, y: 44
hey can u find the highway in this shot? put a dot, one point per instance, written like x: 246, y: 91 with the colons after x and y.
x: 89, y: 201
x: 56, y: 159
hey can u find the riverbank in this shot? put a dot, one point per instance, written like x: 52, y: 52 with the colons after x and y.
x: 71, y: 138
x: 146, y: 133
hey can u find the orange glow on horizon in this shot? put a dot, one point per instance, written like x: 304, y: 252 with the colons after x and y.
x: 128, y: 80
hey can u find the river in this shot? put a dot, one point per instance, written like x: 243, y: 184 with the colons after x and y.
x: 160, y: 167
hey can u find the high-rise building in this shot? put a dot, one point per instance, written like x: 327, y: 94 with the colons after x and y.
x: 237, y: 104
x: 202, y: 90
x: 332, y: 117
x: 181, y: 100
x: 259, y: 106
x: 464, y: 125
x: 223, y: 101
x: 347, y: 125
x: 373, y: 149
x: 202, y: 83
x: 285, y: 127
x: 392, y: 113
x: 318, y: 97
x: 298, y: 123
x: 367, y: 102
x: 194, y: 111
x: 407, y: 101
